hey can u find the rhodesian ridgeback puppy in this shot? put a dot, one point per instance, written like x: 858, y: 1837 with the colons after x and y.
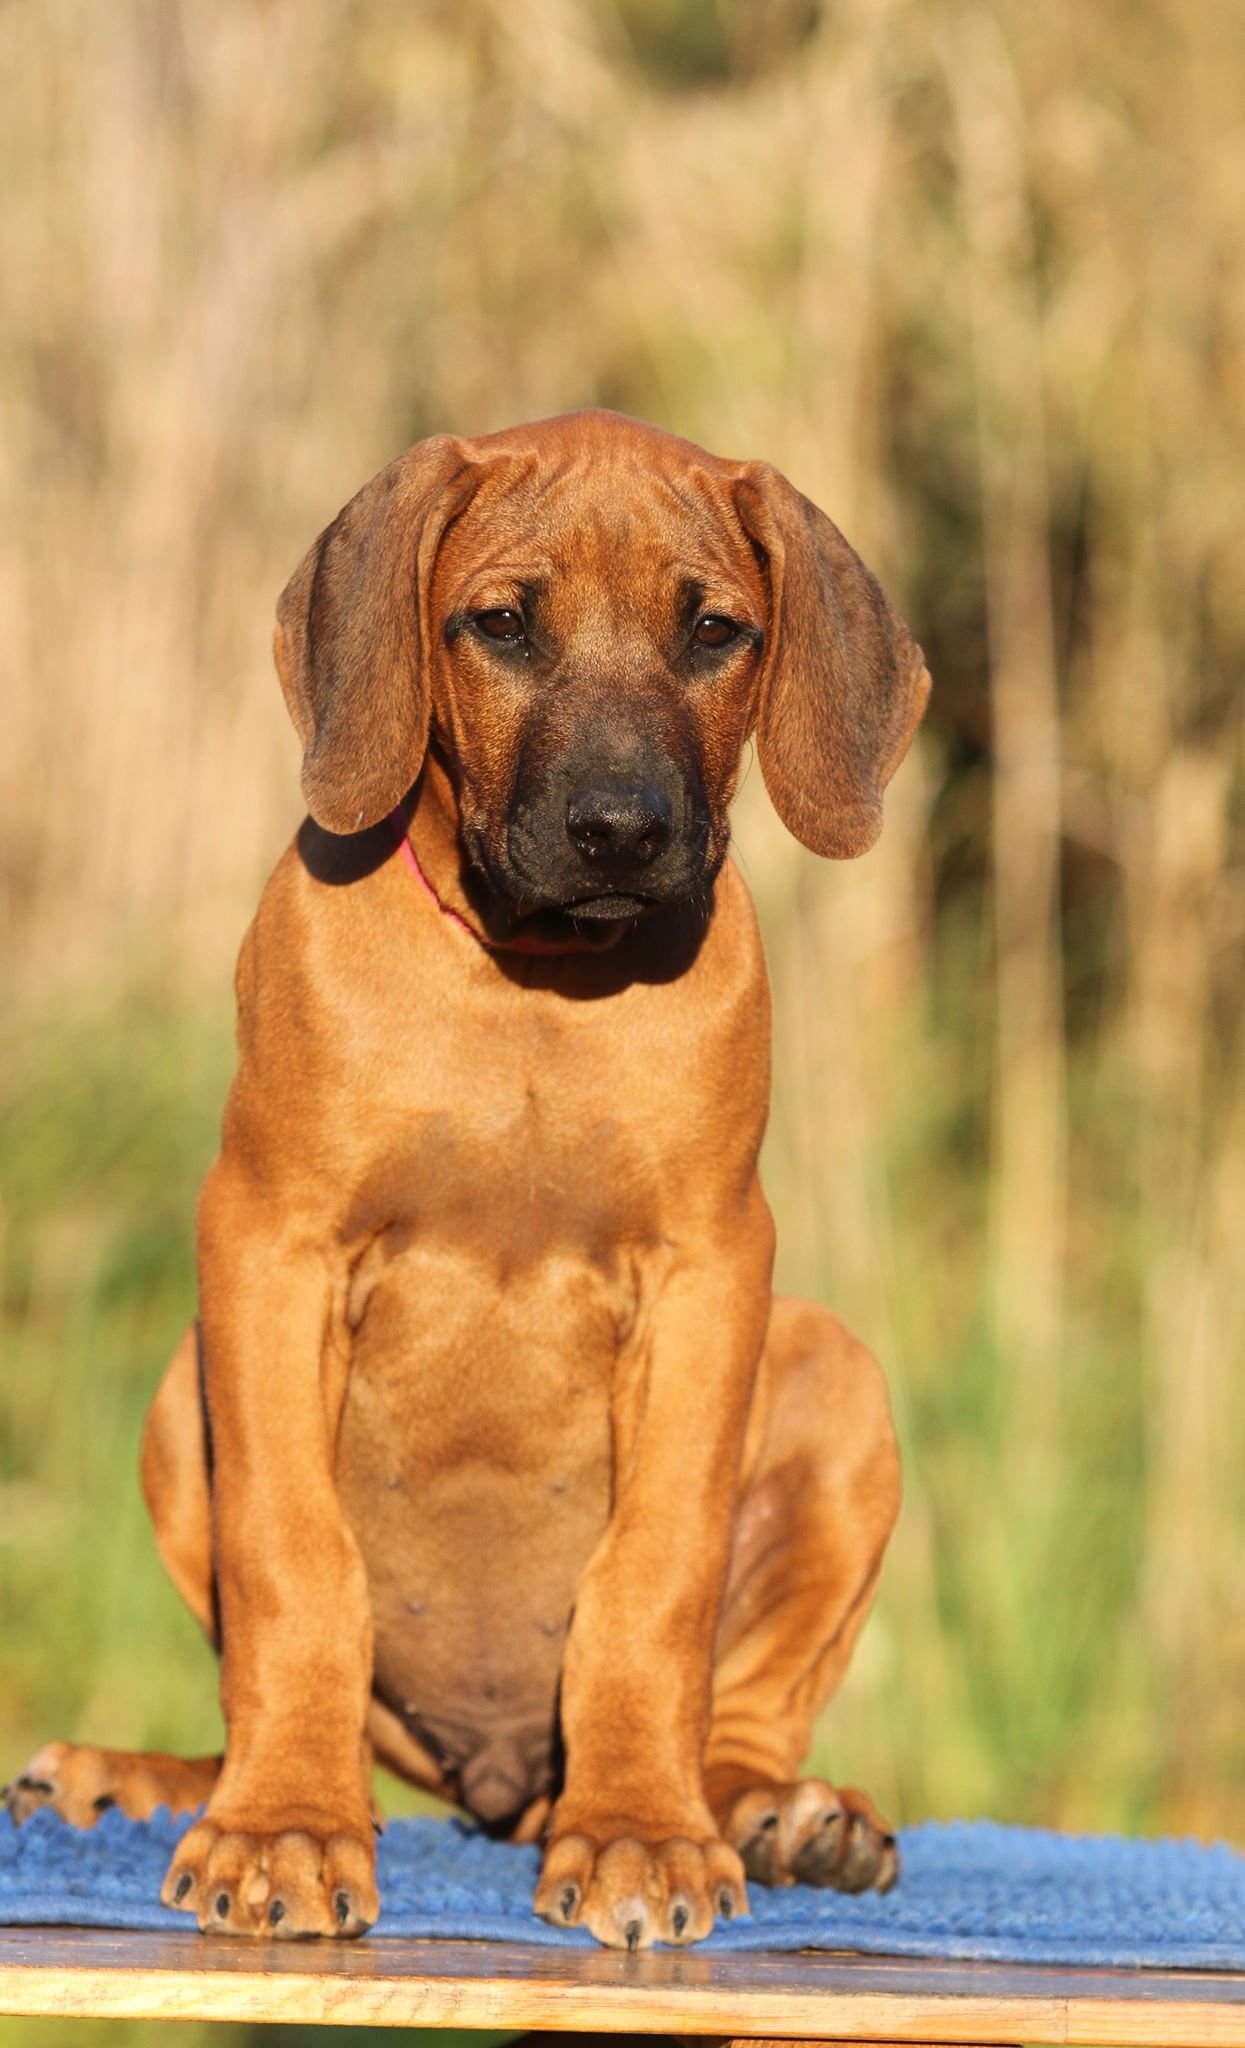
x: 491, y: 1454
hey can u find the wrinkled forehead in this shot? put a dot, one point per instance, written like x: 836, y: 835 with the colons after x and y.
x: 615, y: 523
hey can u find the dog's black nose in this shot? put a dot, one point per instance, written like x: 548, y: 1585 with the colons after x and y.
x: 623, y: 828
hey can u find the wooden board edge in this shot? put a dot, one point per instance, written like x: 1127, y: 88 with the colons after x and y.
x: 119, y: 1992
x: 506, y: 2003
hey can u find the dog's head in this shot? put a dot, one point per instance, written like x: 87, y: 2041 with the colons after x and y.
x: 590, y: 617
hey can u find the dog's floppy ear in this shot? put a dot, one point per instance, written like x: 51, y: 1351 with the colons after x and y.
x: 844, y: 683
x: 352, y: 640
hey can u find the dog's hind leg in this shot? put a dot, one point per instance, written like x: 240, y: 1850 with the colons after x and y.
x: 174, y: 1468
x: 78, y: 1780
x: 819, y: 1499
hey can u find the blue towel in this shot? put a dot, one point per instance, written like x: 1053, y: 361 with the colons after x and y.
x: 969, y: 1890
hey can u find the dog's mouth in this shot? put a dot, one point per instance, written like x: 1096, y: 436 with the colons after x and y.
x: 614, y: 907
x: 590, y: 924
x: 519, y: 903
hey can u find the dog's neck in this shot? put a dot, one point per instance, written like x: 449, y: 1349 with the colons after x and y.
x: 426, y: 832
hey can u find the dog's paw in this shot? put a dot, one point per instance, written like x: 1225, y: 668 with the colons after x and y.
x: 286, y: 1882
x: 631, y: 1893
x: 808, y: 1833
x: 39, y: 1784
x: 79, y: 1782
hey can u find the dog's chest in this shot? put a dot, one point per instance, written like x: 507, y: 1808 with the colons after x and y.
x: 523, y: 1141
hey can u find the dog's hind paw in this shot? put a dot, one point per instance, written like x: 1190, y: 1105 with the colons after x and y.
x: 809, y: 1833
x: 30, y: 1790
x: 79, y: 1781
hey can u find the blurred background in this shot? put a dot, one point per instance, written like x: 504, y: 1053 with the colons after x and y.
x: 971, y: 272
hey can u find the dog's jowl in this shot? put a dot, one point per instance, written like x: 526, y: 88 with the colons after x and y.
x: 491, y: 1454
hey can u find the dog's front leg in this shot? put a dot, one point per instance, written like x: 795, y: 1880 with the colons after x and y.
x: 286, y: 1843
x: 634, y: 1852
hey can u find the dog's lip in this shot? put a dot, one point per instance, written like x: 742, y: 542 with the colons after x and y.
x: 620, y: 905
x: 600, y: 908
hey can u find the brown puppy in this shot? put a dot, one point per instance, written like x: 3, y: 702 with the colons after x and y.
x: 492, y: 1453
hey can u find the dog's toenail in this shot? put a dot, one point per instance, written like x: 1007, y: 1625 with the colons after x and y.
x: 341, y: 1906
x: 726, y: 1905
x: 181, y: 1888
x: 103, y: 1803
x: 678, y: 1919
x: 569, y: 1900
x: 633, y: 1935
x: 276, y: 1913
x: 222, y: 1905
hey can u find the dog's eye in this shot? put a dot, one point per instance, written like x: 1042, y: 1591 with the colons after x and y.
x: 714, y: 631
x: 500, y: 625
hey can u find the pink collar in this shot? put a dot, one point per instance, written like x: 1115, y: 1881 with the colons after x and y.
x: 522, y: 944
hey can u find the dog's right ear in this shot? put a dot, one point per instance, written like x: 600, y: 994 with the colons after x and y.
x: 352, y: 640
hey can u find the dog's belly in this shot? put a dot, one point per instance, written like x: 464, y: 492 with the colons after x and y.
x: 474, y: 1469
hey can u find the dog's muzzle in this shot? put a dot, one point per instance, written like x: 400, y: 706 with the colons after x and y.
x: 608, y: 847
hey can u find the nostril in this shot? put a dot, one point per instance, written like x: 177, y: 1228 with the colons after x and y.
x: 630, y: 826
x: 593, y: 837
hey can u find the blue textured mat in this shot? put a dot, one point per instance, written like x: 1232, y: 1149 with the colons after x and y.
x: 969, y: 1889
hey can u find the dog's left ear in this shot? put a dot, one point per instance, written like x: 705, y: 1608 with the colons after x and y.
x: 352, y: 642
x: 844, y: 683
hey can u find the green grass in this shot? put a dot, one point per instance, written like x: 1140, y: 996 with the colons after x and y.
x: 107, y: 1123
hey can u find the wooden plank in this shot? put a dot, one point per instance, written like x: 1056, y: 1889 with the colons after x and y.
x: 508, y: 1986
x: 578, y: 2040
